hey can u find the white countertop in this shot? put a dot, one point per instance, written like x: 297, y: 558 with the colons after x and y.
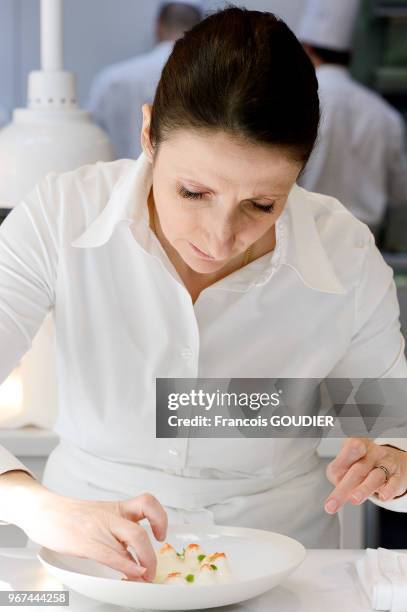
x: 326, y: 580
x: 29, y: 441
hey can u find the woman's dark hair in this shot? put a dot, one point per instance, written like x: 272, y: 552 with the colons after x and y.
x: 243, y: 72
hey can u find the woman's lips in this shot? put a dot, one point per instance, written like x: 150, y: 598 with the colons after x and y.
x: 200, y: 253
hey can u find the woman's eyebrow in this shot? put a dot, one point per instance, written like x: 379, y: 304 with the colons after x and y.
x: 196, y: 183
x: 202, y: 186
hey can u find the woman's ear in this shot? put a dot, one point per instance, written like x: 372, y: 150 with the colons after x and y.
x: 145, y: 132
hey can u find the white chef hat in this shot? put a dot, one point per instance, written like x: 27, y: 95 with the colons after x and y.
x: 329, y: 23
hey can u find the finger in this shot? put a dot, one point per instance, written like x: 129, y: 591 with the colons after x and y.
x: 353, y: 478
x: 373, y: 480
x: 118, y: 561
x: 136, y: 536
x: 117, y: 546
x: 352, y: 450
x: 147, y: 506
x: 393, y: 488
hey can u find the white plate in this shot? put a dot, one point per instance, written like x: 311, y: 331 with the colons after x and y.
x: 258, y: 559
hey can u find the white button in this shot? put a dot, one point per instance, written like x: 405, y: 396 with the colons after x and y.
x: 174, y: 451
x: 186, y: 353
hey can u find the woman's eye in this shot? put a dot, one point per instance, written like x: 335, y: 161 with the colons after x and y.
x: 197, y: 195
x: 192, y: 195
x: 265, y: 208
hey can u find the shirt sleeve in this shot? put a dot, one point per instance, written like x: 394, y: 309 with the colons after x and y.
x: 8, y: 463
x: 377, y: 346
x: 29, y: 238
x: 397, y: 163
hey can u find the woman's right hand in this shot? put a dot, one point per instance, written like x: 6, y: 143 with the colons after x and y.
x: 99, y: 530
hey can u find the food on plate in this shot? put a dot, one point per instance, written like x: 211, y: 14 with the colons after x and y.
x: 174, y: 578
x: 191, y: 566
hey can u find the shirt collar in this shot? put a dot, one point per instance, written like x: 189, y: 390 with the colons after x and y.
x: 298, y: 243
x: 127, y: 204
x: 305, y: 252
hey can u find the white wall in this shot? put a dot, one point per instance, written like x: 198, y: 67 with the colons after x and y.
x: 97, y: 32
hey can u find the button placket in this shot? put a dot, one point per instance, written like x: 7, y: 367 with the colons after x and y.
x: 189, y: 352
x: 186, y: 353
x: 172, y: 464
x: 176, y: 456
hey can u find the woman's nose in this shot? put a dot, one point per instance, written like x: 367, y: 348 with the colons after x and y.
x: 223, y: 239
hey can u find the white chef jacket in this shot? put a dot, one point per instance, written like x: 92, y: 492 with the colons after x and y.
x: 360, y: 156
x: 323, y: 303
x: 118, y: 93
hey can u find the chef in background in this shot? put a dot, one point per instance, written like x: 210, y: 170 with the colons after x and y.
x: 119, y: 91
x: 360, y: 157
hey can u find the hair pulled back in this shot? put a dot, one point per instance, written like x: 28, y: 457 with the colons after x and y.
x: 242, y: 72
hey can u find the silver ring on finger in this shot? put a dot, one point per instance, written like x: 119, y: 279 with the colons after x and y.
x: 386, y: 472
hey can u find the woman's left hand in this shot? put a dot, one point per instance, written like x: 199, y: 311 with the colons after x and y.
x: 356, y: 475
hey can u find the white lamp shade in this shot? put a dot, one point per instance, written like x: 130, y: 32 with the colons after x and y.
x: 36, y: 142
x: 39, y: 141
x: 51, y: 135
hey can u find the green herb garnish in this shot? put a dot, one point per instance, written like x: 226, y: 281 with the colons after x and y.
x: 201, y: 557
x: 189, y: 578
x: 214, y: 567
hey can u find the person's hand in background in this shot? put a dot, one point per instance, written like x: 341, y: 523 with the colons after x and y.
x: 356, y: 473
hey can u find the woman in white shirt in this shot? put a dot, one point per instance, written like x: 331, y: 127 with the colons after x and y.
x: 201, y: 259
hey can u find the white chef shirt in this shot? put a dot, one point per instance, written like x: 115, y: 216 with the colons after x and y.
x: 360, y: 156
x: 323, y: 303
x: 118, y: 93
